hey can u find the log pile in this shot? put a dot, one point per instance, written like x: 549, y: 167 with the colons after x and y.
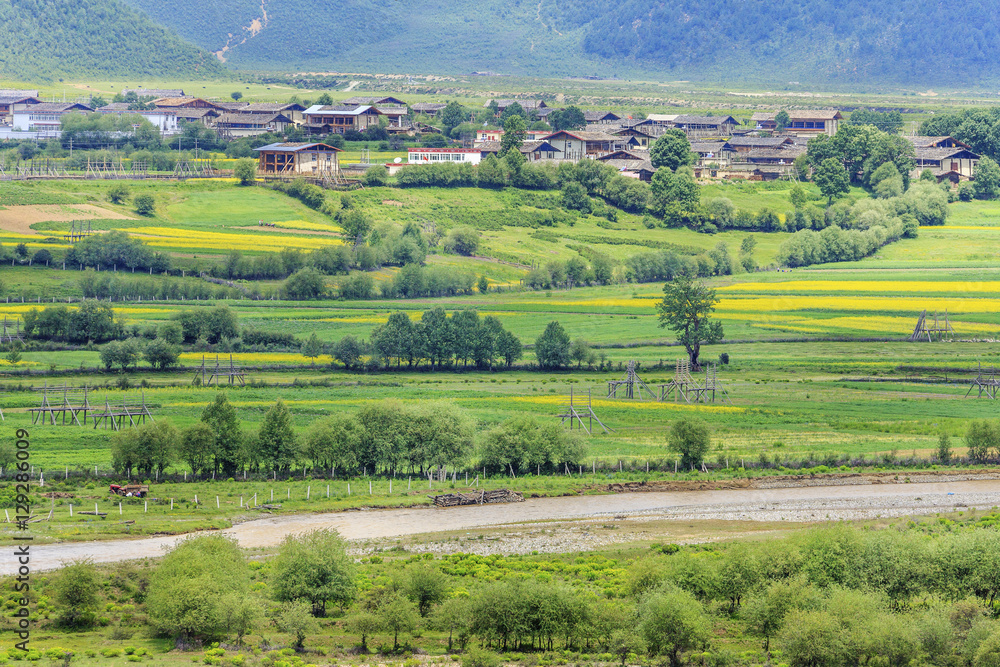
x: 478, y: 498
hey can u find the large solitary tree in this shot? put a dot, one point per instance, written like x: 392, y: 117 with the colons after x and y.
x: 671, y: 150
x: 685, y: 310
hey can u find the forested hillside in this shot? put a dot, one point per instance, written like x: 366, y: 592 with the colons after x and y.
x: 860, y: 41
x: 47, y: 39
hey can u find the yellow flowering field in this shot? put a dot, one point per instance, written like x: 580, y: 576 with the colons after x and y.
x: 870, y: 286
x: 189, y: 238
x: 305, y: 224
x: 857, y: 303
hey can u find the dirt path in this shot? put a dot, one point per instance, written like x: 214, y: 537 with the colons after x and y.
x: 20, y: 218
x: 802, y: 504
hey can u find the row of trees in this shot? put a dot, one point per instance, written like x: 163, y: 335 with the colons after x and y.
x: 441, y: 340
x: 386, y: 437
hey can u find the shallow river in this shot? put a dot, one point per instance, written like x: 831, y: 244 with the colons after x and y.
x: 794, y: 504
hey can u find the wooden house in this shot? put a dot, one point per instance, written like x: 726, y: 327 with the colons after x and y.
x: 802, y: 123
x: 713, y: 152
x: 527, y: 105
x: 705, y: 126
x: 601, y: 117
x: 321, y: 119
x: 642, y: 136
x: 373, y: 101
x: 746, y: 144
x: 7, y: 101
x: 236, y: 125
x: 186, y: 103
x: 154, y: 92
x: 394, y: 113
x: 432, y: 109
x: 204, y: 116
x: 577, y: 144
x: 293, y: 110
x: 297, y: 159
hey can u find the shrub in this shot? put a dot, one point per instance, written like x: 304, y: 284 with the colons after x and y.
x: 145, y: 204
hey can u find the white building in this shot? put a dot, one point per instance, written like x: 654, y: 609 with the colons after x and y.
x: 165, y: 120
x: 45, y: 118
x: 442, y: 155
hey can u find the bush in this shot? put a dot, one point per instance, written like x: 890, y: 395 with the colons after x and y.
x: 479, y: 657
x: 375, y: 176
x: 118, y: 193
x: 245, y: 171
x: 144, y: 203
x: 691, y: 438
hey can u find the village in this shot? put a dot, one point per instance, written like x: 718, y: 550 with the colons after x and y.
x: 760, y: 149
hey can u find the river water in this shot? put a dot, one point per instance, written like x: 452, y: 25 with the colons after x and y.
x: 813, y: 503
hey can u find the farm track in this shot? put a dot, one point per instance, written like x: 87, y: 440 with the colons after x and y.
x: 804, y: 499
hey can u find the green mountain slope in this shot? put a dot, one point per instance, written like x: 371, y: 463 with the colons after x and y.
x: 46, y: 39
x: 850, y: 41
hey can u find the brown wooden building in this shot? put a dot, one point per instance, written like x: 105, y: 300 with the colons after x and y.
x: 325, y: 119
x: 297, y: 159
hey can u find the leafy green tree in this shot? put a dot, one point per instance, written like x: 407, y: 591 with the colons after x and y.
x: 452, y: 116
x: 13, y: 355
x: 986, y: 179
x: 245, y: 171
x: 118, y: 193
x: 221, y: 417
x: 766, y: 610
x: 454, y: 615
x: 463, y: 240
x: 237, y: 96
x: 76, y: 594
x: 397, y: 615
x: 514, y: 131
x: 425, y: 586
x: 944, y: 448
x: 277, y: 438
x: 334, y: 443
x: 813, y: 639
x: 376, y: 176
x: 348, y: 351
x: 570, y: 118
x: 483, y: 284
x: 305, y: 284
x: 579, y: 351
x: 242, y: 614
x: 195, y: 447
x: 145, y: 449
x: 626, y: 643
x: 983, y: 439
x: 673, y: 621
x: 356, y: 225
x: 512, y: 110
x: 574, y: 197
x: 314, y: 567
x: 832, y: 179
x: 552, y: 347
x: 190, y: 588
x: 312, y: 347
x: 673, y: 193
x: 782, y: 120
x: 685, y: 310
x: 671, y: 150
x: 691, y: 438
x: 798, y: 196
x: 145, y: 203
x: 293, y: 618
x: 489, y: 174
x: 161, y: 354
x: 364, y: 624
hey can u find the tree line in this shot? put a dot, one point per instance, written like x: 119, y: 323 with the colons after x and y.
x: 386, y: 437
